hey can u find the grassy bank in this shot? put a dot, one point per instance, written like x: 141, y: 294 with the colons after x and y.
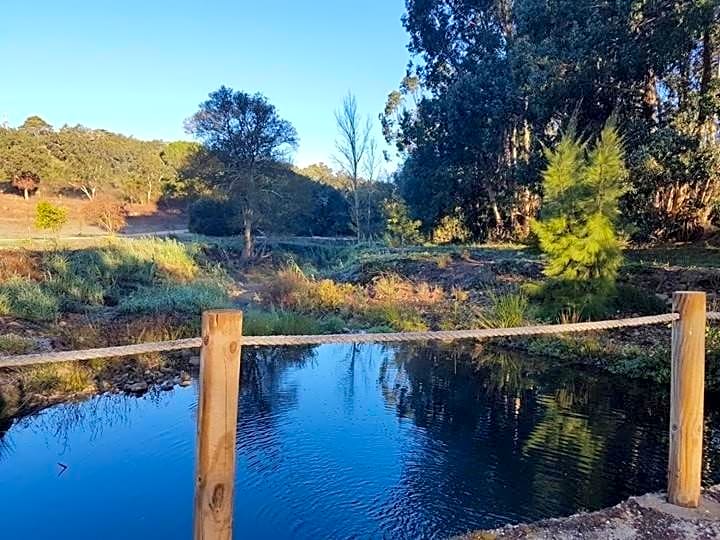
x: 122, y: 291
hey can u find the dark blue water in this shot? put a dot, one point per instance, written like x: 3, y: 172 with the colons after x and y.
x: 343, y: 442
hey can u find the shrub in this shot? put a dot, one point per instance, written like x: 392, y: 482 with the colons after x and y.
x: 633, y: 299
x: 451, y: 230
x: 395, y: 317
x: 214, y: 217
x: 189, y: 299
x: 19, y: 264
x: 400, y: 229
x: 107, y: 213
x: 27, y: 300
x: 49, y: 217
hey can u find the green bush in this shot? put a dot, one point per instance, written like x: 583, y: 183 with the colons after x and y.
x: 400, y: 229
x: 49, y: 217
x: 213, y: 217
x: 27, y: 300
x: 630, y: 299
x: 451, y: 230
x: 189, y: 299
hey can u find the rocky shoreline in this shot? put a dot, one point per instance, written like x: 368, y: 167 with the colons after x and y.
x: 649, y: 517
x: 126, y: 377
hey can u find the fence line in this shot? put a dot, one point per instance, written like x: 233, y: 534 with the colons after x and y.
x: 220, y: 360
x: 397, y: 337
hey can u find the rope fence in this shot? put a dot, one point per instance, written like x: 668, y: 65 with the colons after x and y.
x: 398, y: 337
x: 219, y: 383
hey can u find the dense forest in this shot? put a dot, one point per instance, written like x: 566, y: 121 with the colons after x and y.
x: 495, y: 82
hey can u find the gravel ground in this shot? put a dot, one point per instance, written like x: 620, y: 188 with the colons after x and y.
x: 648, y: 517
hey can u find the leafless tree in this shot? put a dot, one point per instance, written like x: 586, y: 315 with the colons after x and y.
x: 352, y: 146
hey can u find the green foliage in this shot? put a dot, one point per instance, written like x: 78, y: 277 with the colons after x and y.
x: 280, y: 322
x: 49, y: 217
x: 451, y: 230
x: 70, y: 377
x: 214, y: 217
x: 481, y: 100
x: 88, y: 162
x: 577, y: 227
x: 27, y: 300
x: 400, y: 229
x: 507, y: 310
x: 247, y: 137
x: 190, y: 299
x: 91, y: 278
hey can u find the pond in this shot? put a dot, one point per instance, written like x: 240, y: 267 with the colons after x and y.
x: 343, y: 441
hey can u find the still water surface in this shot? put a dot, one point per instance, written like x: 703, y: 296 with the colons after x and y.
x: 342, y: 441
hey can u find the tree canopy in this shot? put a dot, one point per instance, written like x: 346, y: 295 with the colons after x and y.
x: 492, y: 83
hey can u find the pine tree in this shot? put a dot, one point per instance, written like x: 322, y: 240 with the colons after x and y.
x: 577, y: 227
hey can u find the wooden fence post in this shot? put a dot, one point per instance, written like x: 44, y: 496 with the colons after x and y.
x: 687, y: 391
x: 217, y: 424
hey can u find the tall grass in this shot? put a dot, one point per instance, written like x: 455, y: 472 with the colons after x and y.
x: 14, y: 344
x: 189, y: 299
x: 133, y: 273
x: 507, y: 311
x: 27, y: 300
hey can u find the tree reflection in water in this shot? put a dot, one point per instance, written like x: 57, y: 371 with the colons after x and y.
x: 544, y: 434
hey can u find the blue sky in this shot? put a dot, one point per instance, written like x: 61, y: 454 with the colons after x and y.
x: 142, y: 67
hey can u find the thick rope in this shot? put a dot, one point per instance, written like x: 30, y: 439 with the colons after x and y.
x: 713, y: 316
x: 266, y: 341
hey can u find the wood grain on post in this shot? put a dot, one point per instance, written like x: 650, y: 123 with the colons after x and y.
x: 217, y: 424
x: 687, y: 392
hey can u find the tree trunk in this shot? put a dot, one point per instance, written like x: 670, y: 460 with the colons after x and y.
x: 356, y: 196
x: 249, y: 244
x: 26, y: 194
x: 650, y: 98
x: 706, y: 120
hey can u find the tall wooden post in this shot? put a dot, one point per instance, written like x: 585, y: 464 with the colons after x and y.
x: 687, y: 392
x: 217, y: 424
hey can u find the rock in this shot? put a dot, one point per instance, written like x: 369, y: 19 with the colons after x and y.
x: 167, y: 385
x: 195, y: 360
x: 185, y: 379
x: 137, y: 387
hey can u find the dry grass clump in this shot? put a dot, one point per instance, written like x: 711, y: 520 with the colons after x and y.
x: 66, y: 377
x: 389, y: 302
x: 19, y: 264
x: 14, y: 344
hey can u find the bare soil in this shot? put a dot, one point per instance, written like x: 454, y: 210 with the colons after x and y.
x: 17, y: 217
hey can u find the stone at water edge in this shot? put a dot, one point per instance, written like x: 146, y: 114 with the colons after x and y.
x: 137, y: 387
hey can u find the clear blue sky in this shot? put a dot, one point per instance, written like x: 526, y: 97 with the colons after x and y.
x: 140, y: 67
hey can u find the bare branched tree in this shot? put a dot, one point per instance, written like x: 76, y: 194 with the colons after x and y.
x: 352, y: 146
